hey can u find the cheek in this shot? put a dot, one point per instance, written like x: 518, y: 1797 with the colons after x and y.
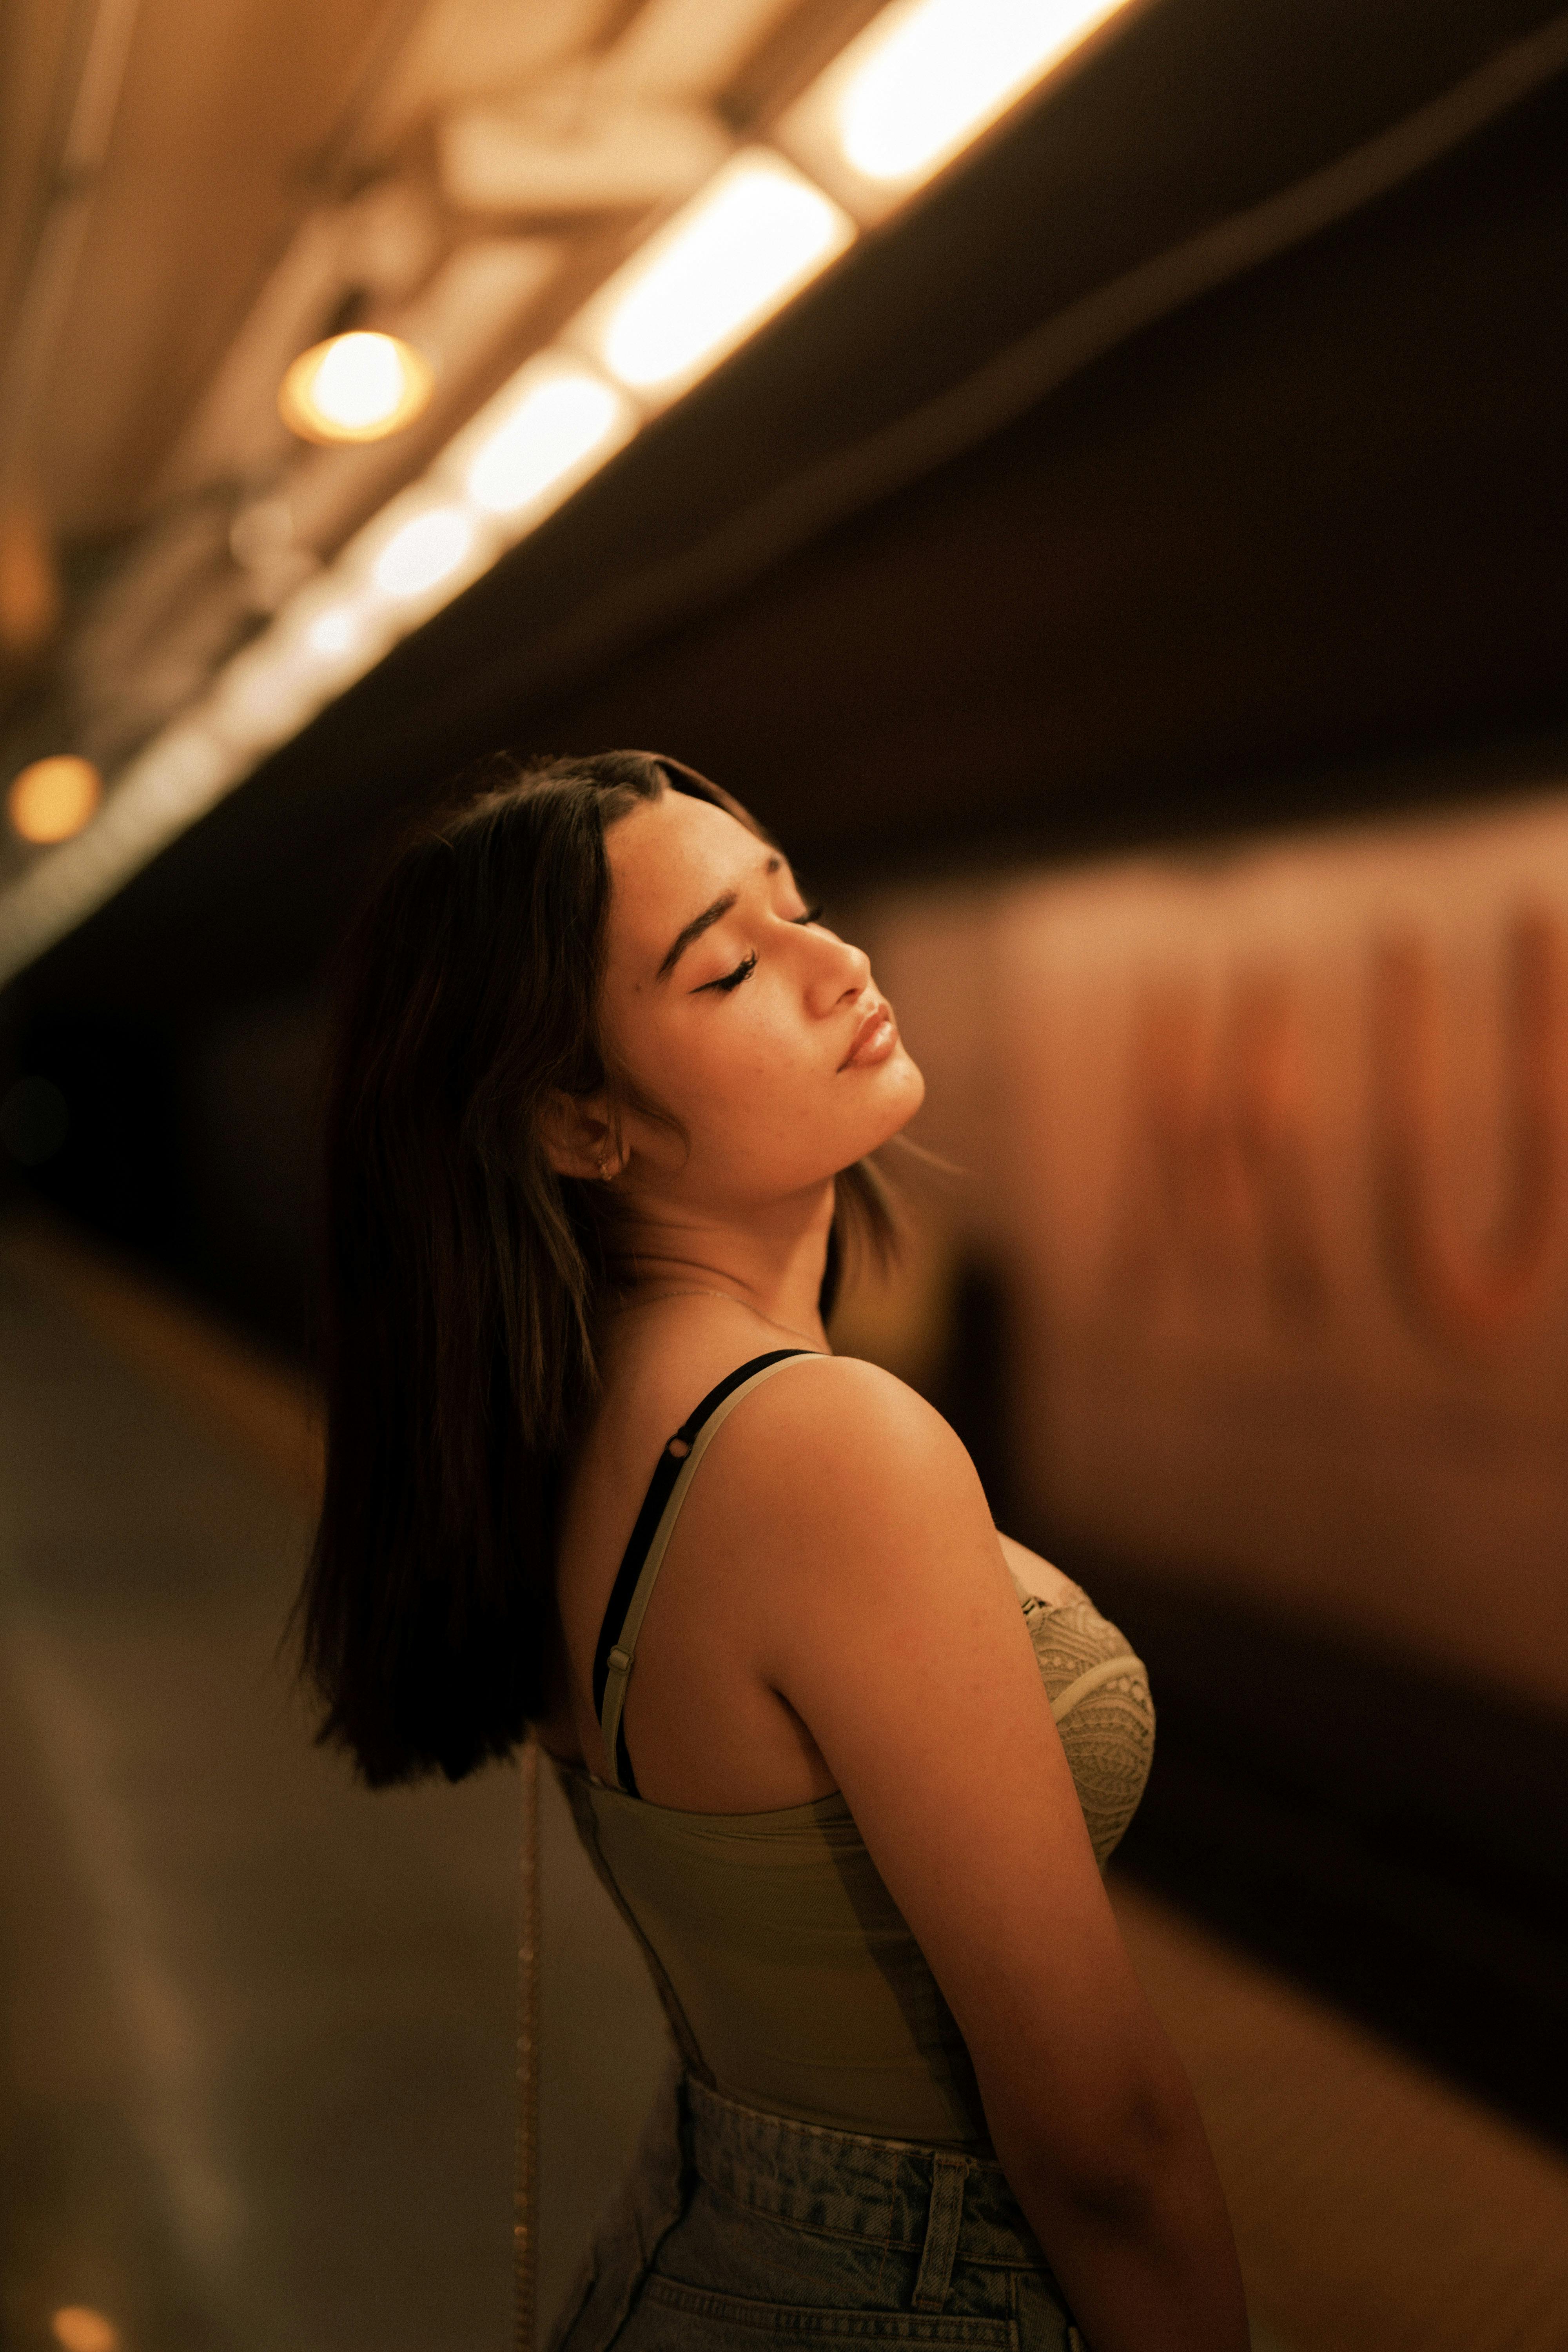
x: 750, y: 1072
x: 697, y: 1069
x: 756, y: 1057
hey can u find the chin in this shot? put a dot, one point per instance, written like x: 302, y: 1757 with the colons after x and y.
x: 902, y: 1093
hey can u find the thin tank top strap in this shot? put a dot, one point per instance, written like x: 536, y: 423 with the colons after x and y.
x: 635, y: 1578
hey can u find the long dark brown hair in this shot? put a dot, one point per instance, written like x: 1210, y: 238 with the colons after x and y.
x: 462, y: 1273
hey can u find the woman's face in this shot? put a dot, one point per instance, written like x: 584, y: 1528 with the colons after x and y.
x: 728, y: 1006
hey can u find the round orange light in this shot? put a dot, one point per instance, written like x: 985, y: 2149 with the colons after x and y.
x: 77, y: 2328
x: 356, y: 387
x: 53, y: 798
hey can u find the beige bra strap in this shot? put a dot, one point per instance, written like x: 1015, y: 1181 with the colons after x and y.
x: 623, y: 1655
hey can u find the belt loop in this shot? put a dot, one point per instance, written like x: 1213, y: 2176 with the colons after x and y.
x: 943, y: 2227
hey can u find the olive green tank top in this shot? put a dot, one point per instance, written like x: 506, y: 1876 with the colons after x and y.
x: 787, y: 1973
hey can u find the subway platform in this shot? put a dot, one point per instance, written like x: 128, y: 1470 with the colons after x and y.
x: 258, y: 2048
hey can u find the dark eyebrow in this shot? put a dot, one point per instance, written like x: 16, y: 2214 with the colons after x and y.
x: 705, y: 922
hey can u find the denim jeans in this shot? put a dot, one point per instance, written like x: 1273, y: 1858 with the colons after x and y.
x: 736, y: 2226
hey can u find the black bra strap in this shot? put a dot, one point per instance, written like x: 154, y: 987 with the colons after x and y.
x: 654, y: 1502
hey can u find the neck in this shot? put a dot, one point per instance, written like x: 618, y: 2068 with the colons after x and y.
x: 772, y: 1257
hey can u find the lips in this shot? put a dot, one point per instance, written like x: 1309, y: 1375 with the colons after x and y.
x: 874, y: 1040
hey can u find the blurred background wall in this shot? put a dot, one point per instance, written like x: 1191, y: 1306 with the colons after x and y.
x: 1249, y: 1288
x: 1264, y: 1158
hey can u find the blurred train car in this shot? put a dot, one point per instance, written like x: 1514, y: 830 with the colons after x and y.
x: 1249, y: 1288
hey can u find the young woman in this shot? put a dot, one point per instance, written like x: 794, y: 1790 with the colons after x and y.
x: 847, y: 1759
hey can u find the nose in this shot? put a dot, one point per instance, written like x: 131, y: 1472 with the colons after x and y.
x: 837, y: 970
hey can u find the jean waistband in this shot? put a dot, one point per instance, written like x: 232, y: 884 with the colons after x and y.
x: 892, y: 2193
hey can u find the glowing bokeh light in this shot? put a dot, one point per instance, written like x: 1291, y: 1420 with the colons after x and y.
x: 562, y: 417
x: 53, y: 798
x: 757, y: 234
x: 423, y: 552
x: 77, y: 2328
x: 336, y: 631
x: 927, y: 76
x: 355, y: 387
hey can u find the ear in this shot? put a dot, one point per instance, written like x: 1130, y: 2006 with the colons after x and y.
x: 579, y: 1136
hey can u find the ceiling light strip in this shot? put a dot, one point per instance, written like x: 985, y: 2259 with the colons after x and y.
x: 762, y: 228
x: 752, y: 239
x: 920, y: 83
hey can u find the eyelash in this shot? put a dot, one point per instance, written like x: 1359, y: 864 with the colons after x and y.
x: 744, y: 970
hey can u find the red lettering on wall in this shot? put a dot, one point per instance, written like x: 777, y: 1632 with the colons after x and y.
x: 1217, y: 1185
x: 1458, y: 1297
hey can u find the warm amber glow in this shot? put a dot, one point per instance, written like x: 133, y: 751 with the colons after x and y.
x: 334, y: 632
x: 357, y: 388
x: 757, y: 234
x: 53, y: 798
x: 77, y: 2328
x: 30, y: 583
x: 550, y: 428
x: 924, y: 79
x: 928, y: 76
x: 423, y: 552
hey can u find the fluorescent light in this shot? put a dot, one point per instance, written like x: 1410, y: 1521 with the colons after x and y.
x: 356, y: 387
x: 251, y: 704
x: 554, y: 423
x: 423, y: 553
x: 166, y: 787
x: 264, y: 696
x: 759, y: 231
x: 324, y: 638
x: 922, y: 80
x: 335, y: 631
x: 415, y: 555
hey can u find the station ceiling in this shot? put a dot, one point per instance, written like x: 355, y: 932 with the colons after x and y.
x: 191, y: 192
x: 1060, y: 514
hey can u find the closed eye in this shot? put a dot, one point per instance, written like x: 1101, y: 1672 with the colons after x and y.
x: 748, y: 964
x: 742, y: 971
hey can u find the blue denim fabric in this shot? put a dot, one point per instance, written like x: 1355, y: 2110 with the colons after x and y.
x: 736, y: 2226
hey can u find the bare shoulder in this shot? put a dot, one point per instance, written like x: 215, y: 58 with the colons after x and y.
x: 837, y: 1435
x: 844, y: 1415
x: 846, y: 1477
x: 824, y: 1431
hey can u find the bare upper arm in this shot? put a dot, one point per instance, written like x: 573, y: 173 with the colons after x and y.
x: 890, y: 1623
